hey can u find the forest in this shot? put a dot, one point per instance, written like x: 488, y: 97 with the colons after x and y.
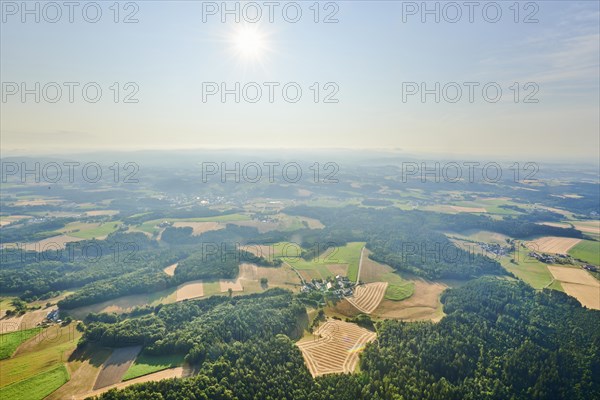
x: 500, y: 339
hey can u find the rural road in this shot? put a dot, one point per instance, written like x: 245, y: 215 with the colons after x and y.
x: 362, y: 251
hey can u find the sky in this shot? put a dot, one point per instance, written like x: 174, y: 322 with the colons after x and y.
x: 357, y: 74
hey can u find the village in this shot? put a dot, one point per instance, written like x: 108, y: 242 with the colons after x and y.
x: 340, y: 287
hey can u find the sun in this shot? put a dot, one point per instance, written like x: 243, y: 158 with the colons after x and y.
x: 249, y: 42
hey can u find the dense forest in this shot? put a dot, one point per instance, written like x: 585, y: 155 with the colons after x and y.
x: 500, y: 339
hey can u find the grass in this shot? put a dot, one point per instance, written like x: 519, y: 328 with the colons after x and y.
x: 528, y: 269
x: 10, y: 341
x: 398, y: 289
x: 147, y: 364
x: 52, y: 349
x: 587, y: 250
x: 38, y: 386
x: 87, y: 230
x: 348, y: 254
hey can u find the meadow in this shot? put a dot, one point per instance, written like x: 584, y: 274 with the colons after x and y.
x: 146, y: 364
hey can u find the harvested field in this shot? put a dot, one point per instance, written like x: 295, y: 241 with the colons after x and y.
x: 234, y: 285
x: 179, y: 372
x: 84, y: 365
x: 170, y: 270
x: 199, y: 228
x: 190, y: 290
x: 335, y: 347
x: 125, y: 303
x: 11, y: 324
x: 367, y: 297
x: 97, y: 213
x: 579, y: 284
x: 469, y: 209
x: 424, y: 304
x: 11, y: 219
x: 116, y: 365
x: 282, y: 276
x: 553, y: 244
x: 588, y: 226
x: 260, y: 250
x: 52, y: 243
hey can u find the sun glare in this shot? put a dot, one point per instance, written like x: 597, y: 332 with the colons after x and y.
x: 249, y: 43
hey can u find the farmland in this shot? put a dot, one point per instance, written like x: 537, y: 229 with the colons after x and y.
x: 367, y: 297
x: 579, y: 284
x: 40, y: 353
x: 36, y: 387
x: 550, y: 244
x: 146, y: 364
x: 587, y: 250
x: 335, y: 347
x: 115, y: 367
x: 10, y: 341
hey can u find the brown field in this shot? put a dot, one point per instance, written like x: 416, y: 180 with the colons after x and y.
x: 282, y: 276
x: 178, y: 372
x: 335, y: 347
x: 260, y: 250
x: 552, y: 244
x: 579, y: 284
x: 37, y: 202
x: 116, y: 365
x: 367, y: 297
x: 372, y: 271
x: 51, y: 243
x: 170, y: 270
x: 261, y: 226
x: 84, y: 365
x: 469, y: 209
x: 26, y: 321
x: 125, y: 303
x: 424, y: 304
x: 199, y: 228
x: 97, y: 213
x: 10, y: 219
x: 588, y: 226
x: 234, y: 285
x: 190, y: 290
x: 11, y: 324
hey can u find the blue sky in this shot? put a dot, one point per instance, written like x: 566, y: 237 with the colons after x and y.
x: 369, y: 54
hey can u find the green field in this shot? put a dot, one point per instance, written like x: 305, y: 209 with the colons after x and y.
x: 147, y: 364
x: 51, y: 350
x: 348, y: 254
x: 529, y: 269
x: 38, y: 386
x: 10, y: 341
x: 587, y: 250
x: 398, y: 289
x: 86, y: 230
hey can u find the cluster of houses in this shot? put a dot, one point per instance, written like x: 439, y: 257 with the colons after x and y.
x: 53, y: 317
x: 550, y: 259
x: 340, y: 286
x: 496, y: 249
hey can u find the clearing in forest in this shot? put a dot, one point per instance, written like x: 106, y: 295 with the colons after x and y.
x: 190, y: 290
x: 335, y: 347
